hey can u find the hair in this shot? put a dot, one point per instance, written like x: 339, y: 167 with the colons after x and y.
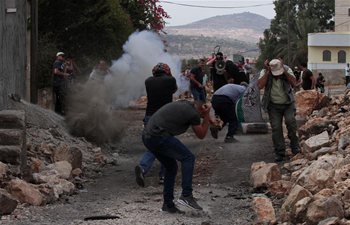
x: 231, y: 68
x: 303, y: 65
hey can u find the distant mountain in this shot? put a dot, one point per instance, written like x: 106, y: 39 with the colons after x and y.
x: 237, y: 32
x: 244, y: 20
x: 242, y: 26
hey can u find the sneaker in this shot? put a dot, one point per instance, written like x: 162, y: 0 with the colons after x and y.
x: 190, y: 202
x: 230, y: 139
x: 171, y: 209
x: 161, y: 180
x: 214, y: 131
x: 140, y: 179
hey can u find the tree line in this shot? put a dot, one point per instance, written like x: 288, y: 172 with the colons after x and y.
x: 293, y: 21
x: 88, y: 30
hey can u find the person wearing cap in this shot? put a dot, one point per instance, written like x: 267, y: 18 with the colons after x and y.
x: 160, y: 89
x: 59, y: 83
x: 278, y: 81
x: 224, y: 102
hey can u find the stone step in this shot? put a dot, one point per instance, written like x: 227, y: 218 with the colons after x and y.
x: 12, y: 119
x: 11, y: 137
x: 255, y: 128
x: 10, y: 154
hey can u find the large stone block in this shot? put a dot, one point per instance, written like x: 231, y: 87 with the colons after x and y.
x: 12, y: 119
x: 10, y: 154
x: 11, y: 137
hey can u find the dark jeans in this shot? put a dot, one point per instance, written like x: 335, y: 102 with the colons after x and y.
x: 198, y: 94
x: 60, y: 98
x: 168, y: 150
x: 276, y: 114
x: 225, y: 109
x: 148, y: 157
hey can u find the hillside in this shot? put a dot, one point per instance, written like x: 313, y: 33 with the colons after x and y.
x: 234, y: 33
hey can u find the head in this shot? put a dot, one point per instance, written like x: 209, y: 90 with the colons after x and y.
x: 320, y: 74
x: 102, y: 65
x: 201, y: 62
x: 60, y: 55
x: 276, y: 67
x: 201, y: 107
x: 231, y: 68
x: 160, y: 69
x: 303, y: 66
x: 219, y: 56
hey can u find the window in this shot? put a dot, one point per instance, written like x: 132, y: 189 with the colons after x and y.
x: 327, y: 55
x: 341, y: 56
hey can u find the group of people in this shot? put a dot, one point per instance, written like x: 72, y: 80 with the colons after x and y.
x: 163, y: 123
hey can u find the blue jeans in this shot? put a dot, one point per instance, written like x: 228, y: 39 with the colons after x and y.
x: 148, y: 157
x: 168, y: 150
x: 276, y: 114
x: 198, y: 94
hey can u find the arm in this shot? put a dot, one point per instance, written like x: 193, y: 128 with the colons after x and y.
x: 313, y: 82
x: 192, y: 78
x: 56, y: 71
x: 201, y: 130
x: 263, y: 79
x: 290, y: 77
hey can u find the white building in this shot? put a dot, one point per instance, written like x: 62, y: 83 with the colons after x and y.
x: 329, y: 52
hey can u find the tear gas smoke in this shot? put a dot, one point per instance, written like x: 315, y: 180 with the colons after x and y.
x: 90, y: 112
x: 142, y: 52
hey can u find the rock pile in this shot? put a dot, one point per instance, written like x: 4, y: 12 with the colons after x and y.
x: 314, y: 186
x: 56, y: 163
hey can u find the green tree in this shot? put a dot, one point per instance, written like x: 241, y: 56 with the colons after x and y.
x: 293, y: 21
x: 85, y: 29
x: 146, y: 14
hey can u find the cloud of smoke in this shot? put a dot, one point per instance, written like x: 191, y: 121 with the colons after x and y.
x: 143, y: 51
x: 91, y: 105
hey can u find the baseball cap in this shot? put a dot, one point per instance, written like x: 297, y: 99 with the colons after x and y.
x: 276, y: 67
x: 59, y: 53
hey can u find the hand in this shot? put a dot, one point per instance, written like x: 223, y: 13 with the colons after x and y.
x: 266, y: 64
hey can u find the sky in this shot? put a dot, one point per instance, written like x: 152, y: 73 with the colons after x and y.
x: 181, y: 15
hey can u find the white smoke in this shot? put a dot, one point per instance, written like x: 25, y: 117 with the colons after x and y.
x: 142, y: 52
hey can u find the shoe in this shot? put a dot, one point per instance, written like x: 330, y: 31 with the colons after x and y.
x: 161, y: 180
x: 140, y: 178
x: 171, y: 209
x: 230, y: 139
x: 190, y: 202
x: 214, y: 131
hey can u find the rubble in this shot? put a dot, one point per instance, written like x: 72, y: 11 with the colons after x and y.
x: 54, y: 160
x: 314, y: 186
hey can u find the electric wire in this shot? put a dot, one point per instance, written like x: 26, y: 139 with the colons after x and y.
x: 215, y: 7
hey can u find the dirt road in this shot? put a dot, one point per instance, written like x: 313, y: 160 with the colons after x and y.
x: 221, y: 185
